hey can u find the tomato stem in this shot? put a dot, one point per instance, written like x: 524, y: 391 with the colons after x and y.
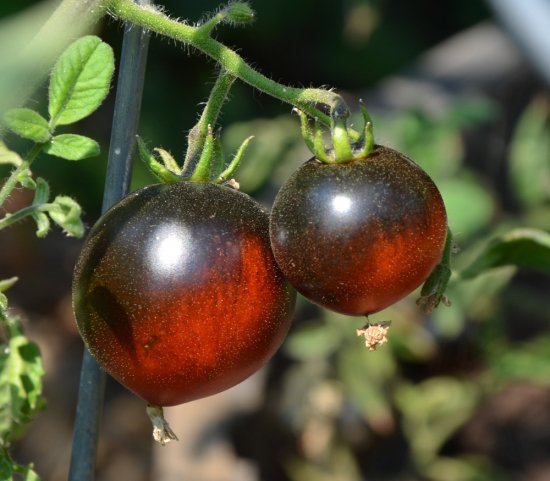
x: 156, y: 21
x: 199, y: 133
x: 162, y: 432
x: 203, y: 169
x: 13, y: 179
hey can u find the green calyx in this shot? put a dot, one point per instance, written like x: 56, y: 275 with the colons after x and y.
x: 347, y: 144
x: 211, y: 166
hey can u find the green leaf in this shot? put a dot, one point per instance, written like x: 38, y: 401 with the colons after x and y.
x: 520, y: 247
x: 66, y: 212
x: 529, y: 174
x: 6, y: 466
x: 432, y: 410
x: 28, y: 473
x: 72, y: 147
x: 312, y: 341
x: 470, y: 206
x: 27, y: 124
x: 5, y: 284
x: 80, y: 80
x: 530, y: 362
x: 365, y: 376
x: 20, y: 383
x: 8, y: 156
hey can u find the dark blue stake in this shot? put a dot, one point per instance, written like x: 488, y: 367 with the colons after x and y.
x: 125, y: 123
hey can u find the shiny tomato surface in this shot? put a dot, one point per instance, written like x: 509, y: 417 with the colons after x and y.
x: 176, y: 292
x: 356, y: 237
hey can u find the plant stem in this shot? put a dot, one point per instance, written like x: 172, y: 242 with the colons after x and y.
x: 125, y: 121
x: 209, y: 117
x: 232, y: 62
x: 13, y: 179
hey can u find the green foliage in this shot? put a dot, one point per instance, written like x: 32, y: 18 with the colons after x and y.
x: 79, y: 83
x: 20, y: 382
x: 80, y: 80
x: 529, y: 172
x: 72, y: 147
x: 431, y: 410
x: 520, y: 247
x: 28, y: 124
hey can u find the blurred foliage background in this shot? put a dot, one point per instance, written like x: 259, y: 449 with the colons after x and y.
x: 461, y: 394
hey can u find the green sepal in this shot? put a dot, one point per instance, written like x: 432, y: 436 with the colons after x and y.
x: 433, y: 290
x: 168, y: 160
x: 72, y: 147
x: 365, y: 144
x: 160, y: 171
x: 27, y: 124
x: 227, y: 174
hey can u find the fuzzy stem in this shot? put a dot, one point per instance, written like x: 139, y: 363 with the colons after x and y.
x: 198, y: 134
x: 12, y: 180
x: 232, y: 62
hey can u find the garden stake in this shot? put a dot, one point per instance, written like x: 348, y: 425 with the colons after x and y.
x: 117, y: 181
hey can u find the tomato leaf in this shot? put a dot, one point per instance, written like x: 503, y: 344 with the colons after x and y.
x: 6, y: 466
x: 28, y: 473
x: 72, y: 147
x: 20, y: 382
x: 27, y: 124
x: 80, y: 80
x: 520, y: 247
x: 312, y: 341
x: 66, y: 212
x: 529, y: 172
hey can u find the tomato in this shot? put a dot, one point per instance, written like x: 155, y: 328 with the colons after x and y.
x: 357, y: 236
x: 176, y: 292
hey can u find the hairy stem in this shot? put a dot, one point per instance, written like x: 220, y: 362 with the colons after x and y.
x: 209, y: 117
x: 12, y: 180
x: 304, y: 99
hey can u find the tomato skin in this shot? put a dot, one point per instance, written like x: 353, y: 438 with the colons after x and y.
x: 356, y: 237
x: 176, y: 292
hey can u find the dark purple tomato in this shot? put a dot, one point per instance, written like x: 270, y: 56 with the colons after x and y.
x: 356, y: 237
x: 176, y: 292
